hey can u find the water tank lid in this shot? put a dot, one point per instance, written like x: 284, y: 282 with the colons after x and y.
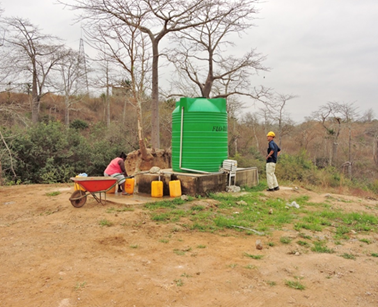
x: 200, y: 104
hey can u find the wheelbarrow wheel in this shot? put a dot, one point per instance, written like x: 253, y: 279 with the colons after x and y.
x: 78, y: 199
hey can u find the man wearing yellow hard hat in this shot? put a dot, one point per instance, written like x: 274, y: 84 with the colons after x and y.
x: 271, y: 160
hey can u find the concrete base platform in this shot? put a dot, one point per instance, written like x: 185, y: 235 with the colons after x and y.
x: 197, y: 184
x: 129, y: 200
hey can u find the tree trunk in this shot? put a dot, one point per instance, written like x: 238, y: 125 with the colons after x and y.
x: 124, y: 111
x: 375, y: 151
x: 236, y: 137
x: 35, y: 110
x: 107, y: 111
x: 280, y: 132
x: 107, y: 106
x: 206, y: 90
x: 35, y: 97
x: 327, y: 152
x: 1, y: 174
x: 67, y: 113
x: 350, y: 170
x: 256, y: 138
x: 155, y: 132
x: 350, y: 153
x: 334, y: 153
x: 10, y: 156
x: 142, y: 146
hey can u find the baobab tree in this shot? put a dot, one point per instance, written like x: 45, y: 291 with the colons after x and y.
x: 203, y: 54
x: 30, y: 56
x: 126, y: 48
x: 275, y: 106
x: 372, y: 131
x: 348, y: 113
x: 104, y: 79
x: 331, y: 122
x: 154, y: 19
x: 333, y: 116
x: 71, y: 71
x: 368, y: 116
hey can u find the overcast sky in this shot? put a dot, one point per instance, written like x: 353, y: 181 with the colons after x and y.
x: 318, y: 50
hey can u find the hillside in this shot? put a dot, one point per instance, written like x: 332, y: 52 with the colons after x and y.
x: 345, y: 151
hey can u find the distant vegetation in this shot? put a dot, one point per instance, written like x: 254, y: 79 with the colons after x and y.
x: 62, y: 114
x: 49, y: 152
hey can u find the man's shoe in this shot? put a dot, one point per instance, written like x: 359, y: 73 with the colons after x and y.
x: 270, y: 190
x: 276, y: 188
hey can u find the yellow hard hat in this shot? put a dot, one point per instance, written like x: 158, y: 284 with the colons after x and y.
x: 271, y: 133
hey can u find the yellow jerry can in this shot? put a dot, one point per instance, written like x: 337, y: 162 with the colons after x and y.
x: 175, y: 188
x: 157, y: 188
x: 129, y: 185
x: 78, y: 186
x: 112, y: 190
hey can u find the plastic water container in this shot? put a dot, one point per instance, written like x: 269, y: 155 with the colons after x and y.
x: 175, y: 188
x: 78, y: 187
x: 129, y: 185
x: 157, y: 188
x: 199, y: 134
x: 112, y: 190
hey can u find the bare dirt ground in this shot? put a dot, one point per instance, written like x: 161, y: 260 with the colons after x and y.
x: 55, y: 255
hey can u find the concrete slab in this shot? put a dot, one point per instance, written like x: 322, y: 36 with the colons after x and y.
x: 134, y: 199
x: 194, y: 184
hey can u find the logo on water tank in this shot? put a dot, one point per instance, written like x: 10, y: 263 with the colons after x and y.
x: 219, y: 128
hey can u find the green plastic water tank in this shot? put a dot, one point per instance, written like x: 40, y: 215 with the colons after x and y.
x: 203, y: 133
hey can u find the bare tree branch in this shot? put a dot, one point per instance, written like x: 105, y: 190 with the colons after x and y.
x: 31, y: 56
x: 276, y: 109
x: 10, y: 155
x: 155, y: 19
x: 200, y: 53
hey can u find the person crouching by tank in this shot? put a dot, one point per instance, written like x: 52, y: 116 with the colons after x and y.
x: 116, y: 169
x: 271, y: 160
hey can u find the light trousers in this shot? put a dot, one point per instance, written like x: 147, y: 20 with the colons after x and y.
x: 270, y: 176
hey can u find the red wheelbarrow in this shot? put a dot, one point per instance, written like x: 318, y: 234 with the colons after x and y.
x: 91, y: 185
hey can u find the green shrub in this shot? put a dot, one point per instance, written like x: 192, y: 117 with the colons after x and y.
x: 49, y: 152
x: 296, y: 168
x: 79, y: 124
x: 251, y: 159
x: 373, y: 186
